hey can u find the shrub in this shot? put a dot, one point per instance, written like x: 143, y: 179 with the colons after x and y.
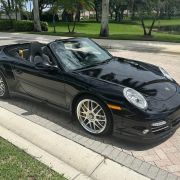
x: 44, y: 26
x: 6, y: 25
x: 24, y: 25
x: 21, y: 25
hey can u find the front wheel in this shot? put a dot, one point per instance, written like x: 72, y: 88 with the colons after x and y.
x: 4, y: 93
x: 93, y: 116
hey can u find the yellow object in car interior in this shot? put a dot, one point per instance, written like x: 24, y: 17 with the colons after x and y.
x: 21, y: 53
x: 114, y: 107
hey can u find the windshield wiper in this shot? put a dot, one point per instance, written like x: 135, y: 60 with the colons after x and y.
x: 96, y: 64
x: 106, y: 61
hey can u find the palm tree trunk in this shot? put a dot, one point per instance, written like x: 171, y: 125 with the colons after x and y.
x: 104, y: 32
x: 37, y: 24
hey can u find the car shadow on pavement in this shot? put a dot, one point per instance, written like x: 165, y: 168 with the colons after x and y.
x: 29, y: 107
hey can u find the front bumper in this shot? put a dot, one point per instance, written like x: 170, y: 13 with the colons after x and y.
x: 133, y: 128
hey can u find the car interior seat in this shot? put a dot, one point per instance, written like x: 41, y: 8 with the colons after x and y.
x: 37, y: 55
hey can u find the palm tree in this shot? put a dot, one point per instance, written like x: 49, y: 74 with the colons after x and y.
x: 104, y: 32
x: 37, y: 23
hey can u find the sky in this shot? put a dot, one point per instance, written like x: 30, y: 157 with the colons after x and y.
x: 29, y: 5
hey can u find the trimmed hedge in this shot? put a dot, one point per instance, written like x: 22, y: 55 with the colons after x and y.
x: 21, y: 26
x: 44, y: 26
x: 6, y: 25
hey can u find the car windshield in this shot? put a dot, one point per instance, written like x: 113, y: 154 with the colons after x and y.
x: 76, y: 54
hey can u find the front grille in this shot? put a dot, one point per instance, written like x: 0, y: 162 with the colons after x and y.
x: 171, y: 124
x: 160, y: 129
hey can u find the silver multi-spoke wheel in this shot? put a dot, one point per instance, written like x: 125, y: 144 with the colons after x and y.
x: 2, y: 87
x: 91, y: 116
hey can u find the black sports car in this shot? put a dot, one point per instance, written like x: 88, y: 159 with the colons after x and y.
x: 105, y: 93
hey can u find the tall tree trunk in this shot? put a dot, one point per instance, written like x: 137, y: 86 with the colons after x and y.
x: 9, y: 4
x: 104, y: 32
x: 78, y: 16
x: 122, y: 14
x: 132, y: 10
x: 74, y: 25
x: 144, y: 27
x: 119, y: 17
x: 12, y: 4
x: 54, y: 23
x: 97, y: 15
x: 151, y: 28
x: 16, y: 11
x: 8, y: 9
x: 37, y: 24
x: 69, y: 29
x: 116, y: 16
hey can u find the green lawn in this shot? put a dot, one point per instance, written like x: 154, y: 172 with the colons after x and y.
x: 165, y: 22
x: 126, y: 30
x: 16, y: 164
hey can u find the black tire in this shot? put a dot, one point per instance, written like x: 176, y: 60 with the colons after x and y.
x: 109, y: 122
x: 4, y: 92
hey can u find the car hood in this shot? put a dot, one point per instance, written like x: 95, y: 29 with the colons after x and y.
x: 143, y: 77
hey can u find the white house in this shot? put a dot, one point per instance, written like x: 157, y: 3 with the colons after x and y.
x: 13, y: 16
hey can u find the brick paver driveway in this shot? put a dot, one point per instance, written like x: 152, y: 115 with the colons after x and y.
x: 165, y: 155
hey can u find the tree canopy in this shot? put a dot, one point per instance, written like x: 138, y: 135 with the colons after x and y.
x: 103, y: 10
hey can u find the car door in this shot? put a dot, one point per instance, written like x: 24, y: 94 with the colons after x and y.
x: 47, y: 85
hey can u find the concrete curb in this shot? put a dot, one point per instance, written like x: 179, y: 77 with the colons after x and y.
x: 41, y: 155
x: 68, y: 152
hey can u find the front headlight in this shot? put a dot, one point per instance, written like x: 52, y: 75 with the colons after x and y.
x: 165, y: 73
x: 135, y: 98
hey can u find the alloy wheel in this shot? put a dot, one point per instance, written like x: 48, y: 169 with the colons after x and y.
x: 2, y: 87
x: 91, y: 116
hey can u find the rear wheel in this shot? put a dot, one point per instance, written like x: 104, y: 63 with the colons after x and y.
x: 93, y: 116
x: 4, y: 93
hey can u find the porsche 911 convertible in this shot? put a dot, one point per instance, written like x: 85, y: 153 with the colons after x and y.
x: 105, y: 94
